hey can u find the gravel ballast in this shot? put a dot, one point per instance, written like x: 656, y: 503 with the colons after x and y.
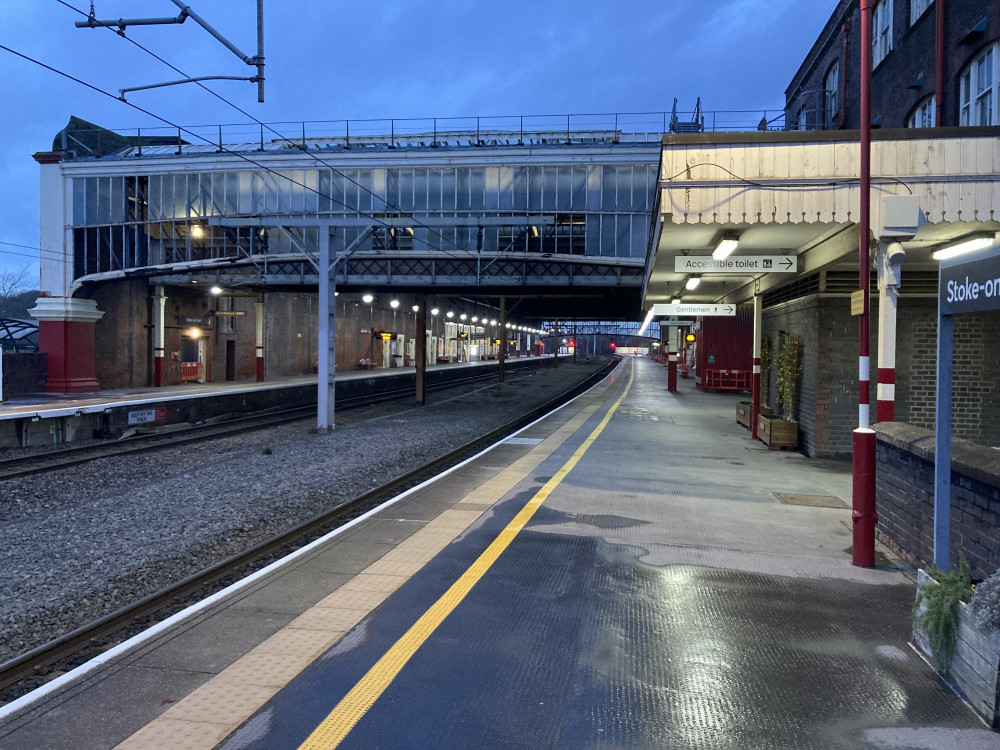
x: 85, y: 541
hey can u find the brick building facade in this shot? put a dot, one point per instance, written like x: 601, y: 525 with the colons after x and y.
x: 824, y: 94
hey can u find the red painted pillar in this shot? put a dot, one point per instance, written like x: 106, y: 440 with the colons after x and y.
x: 66, y: 336
x: 758, y: 313
x: 259, y: 312
x: 672, y: 359
x: 159, y: 303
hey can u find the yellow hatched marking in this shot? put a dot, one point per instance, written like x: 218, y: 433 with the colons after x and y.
x: 339, y: 722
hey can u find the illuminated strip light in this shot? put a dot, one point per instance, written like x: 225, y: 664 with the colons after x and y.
x: 966, y: 246
x: 646, y: 322
x: 725, y: 248
x: 692, y: 283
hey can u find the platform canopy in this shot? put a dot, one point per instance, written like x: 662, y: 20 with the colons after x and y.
x: 794, y: 196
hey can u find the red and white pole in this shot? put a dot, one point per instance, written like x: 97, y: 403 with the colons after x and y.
x: 159, y: 305
x: 863, y: 442
x: 259, y: 338
x: 889, y: 259
x: 755, y: 377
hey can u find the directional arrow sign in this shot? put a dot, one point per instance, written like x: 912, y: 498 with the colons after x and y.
x: 693, y: 309
x: 736, y: 264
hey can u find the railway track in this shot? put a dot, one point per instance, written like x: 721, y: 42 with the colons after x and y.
x: 28, y: 670
x: 209, y: 430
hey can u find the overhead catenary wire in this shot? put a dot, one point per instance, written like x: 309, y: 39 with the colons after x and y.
x: 191, y: 133
x: 262, y: 124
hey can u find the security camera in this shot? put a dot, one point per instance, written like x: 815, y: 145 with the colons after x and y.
x: 895, y: 254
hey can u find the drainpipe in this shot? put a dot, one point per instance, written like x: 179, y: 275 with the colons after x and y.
x: 939, y: 6
x: 845, y: 30
x: 863, y: 440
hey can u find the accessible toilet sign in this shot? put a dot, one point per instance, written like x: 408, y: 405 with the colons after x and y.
x: 970, y: 285
x: 736, y: 264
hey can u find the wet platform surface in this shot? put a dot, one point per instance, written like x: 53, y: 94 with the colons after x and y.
x: 632, y: 585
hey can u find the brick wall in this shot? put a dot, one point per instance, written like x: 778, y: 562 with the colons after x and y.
x: 23, y: 372
x: 800, y: 318
x: 828, y: 388
x: 905, y: 497
x: 907, y: 74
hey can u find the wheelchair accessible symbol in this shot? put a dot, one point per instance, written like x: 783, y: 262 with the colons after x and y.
x: 767, y: 262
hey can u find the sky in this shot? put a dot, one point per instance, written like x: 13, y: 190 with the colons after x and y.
x: 366, y: 59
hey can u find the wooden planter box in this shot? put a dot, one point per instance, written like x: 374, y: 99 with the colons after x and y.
x: 744, y: 412
x: 777, y: 433
x: 975, y: 666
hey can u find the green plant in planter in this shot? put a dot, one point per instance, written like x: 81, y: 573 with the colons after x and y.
x: 765, y: 370
x: 939, y: 619
x: 789, y: 369
x: 986, y: 602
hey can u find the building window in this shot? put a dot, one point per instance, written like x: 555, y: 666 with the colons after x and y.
x: 831, y: 95
x: 881, y: 31
x: 923, y: 115
x: 802, y: 121
x: 978, y: 94
x: 917, y: 8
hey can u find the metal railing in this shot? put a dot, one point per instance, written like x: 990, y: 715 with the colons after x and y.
x: 433, y: 132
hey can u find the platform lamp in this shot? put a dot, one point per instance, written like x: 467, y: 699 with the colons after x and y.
x: 394, y: 304
x: 368, y: 298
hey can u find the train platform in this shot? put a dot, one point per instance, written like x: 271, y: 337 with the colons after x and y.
x: 44, y: 418
x: 49, y: 405
x: 632, y: 571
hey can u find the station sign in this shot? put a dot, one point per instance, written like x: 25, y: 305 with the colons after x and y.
x: 736, y: 264
x: 972, y: 285
x: 146, y: 416
x: 693, y: 309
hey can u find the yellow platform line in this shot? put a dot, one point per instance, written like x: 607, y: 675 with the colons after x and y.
x: 339, y: 722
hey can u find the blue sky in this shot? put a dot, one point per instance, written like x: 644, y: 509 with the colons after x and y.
x: 358, y: 59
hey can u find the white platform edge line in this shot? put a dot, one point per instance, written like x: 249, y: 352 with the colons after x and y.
x: 121, y: 648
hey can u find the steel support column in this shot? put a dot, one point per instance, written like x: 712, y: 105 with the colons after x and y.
x: 942, y: 444
x: 502, y: 360
x: 327, y: 344
x: 420, y: 348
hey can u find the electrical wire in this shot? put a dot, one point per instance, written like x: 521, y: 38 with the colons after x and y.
x: 248, y: 115
x: 790, y: 186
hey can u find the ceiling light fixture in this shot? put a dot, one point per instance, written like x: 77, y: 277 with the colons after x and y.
x: 692, y: 283
x: 725, y: 248
x: 963, y: 246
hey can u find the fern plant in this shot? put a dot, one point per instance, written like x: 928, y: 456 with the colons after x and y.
x: 939, y: 619
x: 789, y: 369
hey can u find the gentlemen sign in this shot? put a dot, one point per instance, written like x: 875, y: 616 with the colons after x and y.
x: 736, y: 264
x: 972, y: 285
x: 692, y: 309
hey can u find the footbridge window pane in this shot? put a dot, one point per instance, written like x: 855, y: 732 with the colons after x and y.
x: 492, y: 188
x: 477, y: 180
x: 79, y: 202
x: 434, y: 183
x: 519, y: 189
x: 594, y: 190
x: 231, y: 182
x: 419, y: 189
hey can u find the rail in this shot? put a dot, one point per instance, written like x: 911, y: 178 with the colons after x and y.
x: 80, y: 643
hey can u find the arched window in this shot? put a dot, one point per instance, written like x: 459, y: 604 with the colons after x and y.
x: 881, y: 31
x: 831, y: 95
x: 924, y: 114
x: 978, y: 89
